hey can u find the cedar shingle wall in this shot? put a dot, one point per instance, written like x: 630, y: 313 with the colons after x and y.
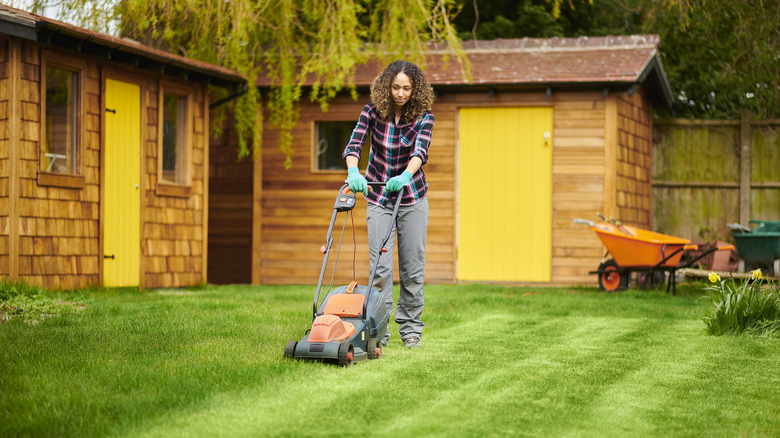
x: 59, y: 229
x: 634, y: 159
x: 5, y: 155
x: 173, y: 226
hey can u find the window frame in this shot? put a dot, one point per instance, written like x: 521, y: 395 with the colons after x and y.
x: 314, y: 167
x: 74, y: 180
x: 184, y: 187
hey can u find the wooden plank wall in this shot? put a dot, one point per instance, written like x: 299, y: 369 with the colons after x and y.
x: 697, y: 173
x: 230, y: 211
x: 58, y: 227
x: 297, y: 203
x: 765, y: 170
x: 579, y: 183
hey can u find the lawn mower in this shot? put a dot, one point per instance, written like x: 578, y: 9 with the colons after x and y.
x: 350, y: 323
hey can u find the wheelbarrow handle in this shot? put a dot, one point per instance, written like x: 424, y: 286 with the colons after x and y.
x: 584, y: 222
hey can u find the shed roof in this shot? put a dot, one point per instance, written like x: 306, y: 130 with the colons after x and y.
x: 22, y: 24
x: 612, y: 62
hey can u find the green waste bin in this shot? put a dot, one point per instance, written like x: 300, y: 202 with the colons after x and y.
x: 766, y: 226
x: 760, y: 249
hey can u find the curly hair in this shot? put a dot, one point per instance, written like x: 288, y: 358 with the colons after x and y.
x: 420, y: 100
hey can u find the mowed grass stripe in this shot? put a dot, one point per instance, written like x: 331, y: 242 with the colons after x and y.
x: 510, y: 387
x: 550, y: 371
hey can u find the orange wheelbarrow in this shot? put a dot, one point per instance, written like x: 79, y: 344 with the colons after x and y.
x: 653, y: 256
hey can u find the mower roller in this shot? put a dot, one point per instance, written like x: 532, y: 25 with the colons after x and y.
x: 350, y: 323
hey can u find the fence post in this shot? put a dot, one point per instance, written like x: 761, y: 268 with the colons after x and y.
x: 745, y: 152
x: 744, y: 168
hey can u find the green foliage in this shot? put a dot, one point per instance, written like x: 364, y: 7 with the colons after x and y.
x: 720, y: 56
x: 750, y: 307
x: 290, y: 41
x: 30, y: 303
x: 538, y: 18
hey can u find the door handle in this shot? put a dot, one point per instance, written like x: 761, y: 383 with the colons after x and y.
x: 112, y: 256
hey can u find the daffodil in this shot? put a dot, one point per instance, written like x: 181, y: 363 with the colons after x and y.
x: 756, y: 275
x: 714, y: 277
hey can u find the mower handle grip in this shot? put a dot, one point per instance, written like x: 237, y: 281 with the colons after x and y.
x: 345, y: 188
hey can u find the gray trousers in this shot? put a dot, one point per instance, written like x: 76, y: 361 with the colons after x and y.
x: 411, y: 228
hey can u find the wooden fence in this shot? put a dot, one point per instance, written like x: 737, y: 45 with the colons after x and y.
x: 711, y: 173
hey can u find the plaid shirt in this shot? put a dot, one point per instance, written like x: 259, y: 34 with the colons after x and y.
x: 392, y: 146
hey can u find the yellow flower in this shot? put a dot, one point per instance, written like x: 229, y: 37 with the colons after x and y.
x: 714, y: 277
x: 756, y: 275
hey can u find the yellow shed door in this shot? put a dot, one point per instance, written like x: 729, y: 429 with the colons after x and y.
x: 122, y: 206
x: 504, y: 194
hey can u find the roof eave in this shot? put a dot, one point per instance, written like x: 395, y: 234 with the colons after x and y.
x: 654, y: 69
x: 22, y: 24
x: 136, y: 54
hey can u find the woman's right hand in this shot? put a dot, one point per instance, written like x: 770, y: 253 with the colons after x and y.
x: 357, y: 182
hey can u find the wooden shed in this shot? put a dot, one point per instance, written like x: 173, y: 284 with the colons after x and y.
x: 547, y: 130
x: 103, y: 158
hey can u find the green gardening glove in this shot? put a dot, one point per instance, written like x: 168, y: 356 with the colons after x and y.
x: 396, y: 183
x: 357, y: 182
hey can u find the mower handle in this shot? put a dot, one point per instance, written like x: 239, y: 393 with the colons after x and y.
x: 324, y: 249
x: 345, y: 188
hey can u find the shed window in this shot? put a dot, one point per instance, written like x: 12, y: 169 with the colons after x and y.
x: 173, y: 110
x: 175, y: 136
x: 330, y: 138
x: 61, y: 90
x: 61, y: 135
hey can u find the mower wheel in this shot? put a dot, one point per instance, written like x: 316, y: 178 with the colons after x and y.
x: 610, y: 278
x: 346, y: 354
x: 289, y: 349
x: 374, y: 349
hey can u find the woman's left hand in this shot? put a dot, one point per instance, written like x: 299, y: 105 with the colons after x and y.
x: 396, y: 183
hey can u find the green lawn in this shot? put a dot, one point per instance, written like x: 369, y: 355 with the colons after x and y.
x: 495, y: 361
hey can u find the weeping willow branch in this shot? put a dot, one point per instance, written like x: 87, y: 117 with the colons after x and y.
x: 292, y: 42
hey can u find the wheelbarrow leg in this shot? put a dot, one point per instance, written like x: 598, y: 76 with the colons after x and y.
x: 672, y: 282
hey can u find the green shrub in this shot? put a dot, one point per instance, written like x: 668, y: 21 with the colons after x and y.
x: 750, y: 307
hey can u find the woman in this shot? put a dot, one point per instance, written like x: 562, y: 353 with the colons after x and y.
x: 399, y: 121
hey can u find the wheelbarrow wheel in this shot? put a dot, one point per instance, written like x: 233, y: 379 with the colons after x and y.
x: 610, y: 278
